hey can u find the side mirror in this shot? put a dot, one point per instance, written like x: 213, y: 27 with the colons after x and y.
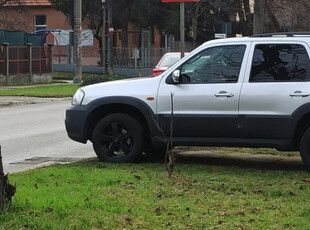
x: 176, y: 76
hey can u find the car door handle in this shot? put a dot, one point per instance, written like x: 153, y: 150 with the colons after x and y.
x: 223, y: 94
x: 299, y: 94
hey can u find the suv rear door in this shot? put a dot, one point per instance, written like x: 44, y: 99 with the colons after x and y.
x: 276, y: 85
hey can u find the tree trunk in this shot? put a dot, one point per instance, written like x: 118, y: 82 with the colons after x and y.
x: 259, y: 16
x: 195, y: 22
x: 273, y: 19
x: 7, y: 191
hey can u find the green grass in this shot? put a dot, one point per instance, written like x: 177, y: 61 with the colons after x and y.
x: 52, y: 90
x: 95, y: 195
x: 62, y: 90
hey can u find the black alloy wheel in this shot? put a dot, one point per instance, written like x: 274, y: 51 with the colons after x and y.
x: 118, y: 138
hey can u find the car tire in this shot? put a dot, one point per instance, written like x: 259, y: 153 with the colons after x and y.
x: 118, y: 138
x: 304, y: 148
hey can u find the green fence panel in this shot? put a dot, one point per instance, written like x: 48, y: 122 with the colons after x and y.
x: 21, y: 38
x: 35, y: 40
x: 15, y: 38
x: 2, y: 37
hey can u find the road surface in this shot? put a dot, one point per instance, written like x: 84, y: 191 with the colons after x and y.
x: 32, y: 134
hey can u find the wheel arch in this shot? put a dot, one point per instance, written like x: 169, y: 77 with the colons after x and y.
x: 128, y: 105
x: 302, y: 118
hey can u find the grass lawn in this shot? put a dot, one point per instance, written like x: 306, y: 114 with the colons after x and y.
x: 53, y: 90
x: 96, y: 195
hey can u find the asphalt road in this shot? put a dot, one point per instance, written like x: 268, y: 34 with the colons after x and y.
x: 32, y: 134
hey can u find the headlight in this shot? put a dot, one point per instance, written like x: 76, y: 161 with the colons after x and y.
x: 78, y: 97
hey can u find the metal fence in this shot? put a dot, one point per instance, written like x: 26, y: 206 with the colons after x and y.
x: 122, y: 57
x: 20, y: 60
x: 136, y: 58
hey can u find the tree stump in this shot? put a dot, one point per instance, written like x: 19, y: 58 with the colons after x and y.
x: 7, y: 191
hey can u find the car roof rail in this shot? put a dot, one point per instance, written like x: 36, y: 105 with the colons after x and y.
x: 283, y: 34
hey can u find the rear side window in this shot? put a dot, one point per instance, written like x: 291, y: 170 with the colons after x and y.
x: 284, y: 62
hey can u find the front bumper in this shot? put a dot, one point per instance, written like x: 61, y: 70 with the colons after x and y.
x: 75, y: 123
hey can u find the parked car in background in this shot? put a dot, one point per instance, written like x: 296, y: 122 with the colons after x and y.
x: 166, y: 61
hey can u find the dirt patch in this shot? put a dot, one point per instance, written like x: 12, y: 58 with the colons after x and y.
x: 6, y: 101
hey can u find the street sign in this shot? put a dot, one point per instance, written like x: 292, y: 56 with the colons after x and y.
x: 220, y: 35
x: 180, y: 1
x: 111, y: 29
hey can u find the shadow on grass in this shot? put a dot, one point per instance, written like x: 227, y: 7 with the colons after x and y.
x: 257, y: 161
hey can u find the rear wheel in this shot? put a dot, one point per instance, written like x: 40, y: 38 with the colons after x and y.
x: 305, y: 148
x: 118, y: 138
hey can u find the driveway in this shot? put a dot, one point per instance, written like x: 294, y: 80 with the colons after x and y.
x: 33, y: 134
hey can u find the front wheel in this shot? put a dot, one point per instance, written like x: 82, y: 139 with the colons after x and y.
x: 118, y: 138
x: 305, y: 148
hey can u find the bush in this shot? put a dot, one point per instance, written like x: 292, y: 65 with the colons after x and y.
x: 95, y: 79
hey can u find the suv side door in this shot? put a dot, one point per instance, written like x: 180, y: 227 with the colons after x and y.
x: 276, y: 86
x: 205, y: 102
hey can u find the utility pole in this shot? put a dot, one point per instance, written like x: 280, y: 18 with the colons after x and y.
x: 77, y: 41
x: 110, y: 39
x: 107, y: 37
x: 182, y: 25
x: 103, y: 36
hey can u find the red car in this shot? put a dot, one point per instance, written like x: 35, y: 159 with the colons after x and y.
x: 166, y: 61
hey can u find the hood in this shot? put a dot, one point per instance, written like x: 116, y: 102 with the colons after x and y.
x: 133, y: 87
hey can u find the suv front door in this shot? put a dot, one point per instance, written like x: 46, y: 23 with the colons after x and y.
x: 205, y: 101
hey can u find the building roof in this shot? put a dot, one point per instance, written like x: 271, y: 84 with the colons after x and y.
x: 29, y: 3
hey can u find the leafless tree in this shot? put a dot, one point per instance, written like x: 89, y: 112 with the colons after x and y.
x: 8, y: 19
x: 170, y: 158
x: 281, y: 15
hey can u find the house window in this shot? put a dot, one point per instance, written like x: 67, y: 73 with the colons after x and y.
x: 40, y: 22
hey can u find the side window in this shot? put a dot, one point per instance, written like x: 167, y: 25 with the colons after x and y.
x: 214, y: 65
x: 285, y: 62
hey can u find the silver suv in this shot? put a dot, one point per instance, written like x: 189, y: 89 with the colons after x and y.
x: 245, y: 92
